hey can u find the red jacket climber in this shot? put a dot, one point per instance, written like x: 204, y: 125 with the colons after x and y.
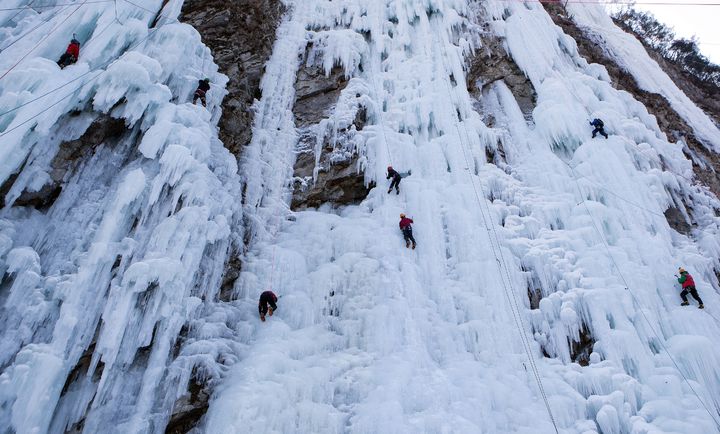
x: 406, y: 228
x: 74, y: 48
x: 71, y: 54
x: 405, y: 222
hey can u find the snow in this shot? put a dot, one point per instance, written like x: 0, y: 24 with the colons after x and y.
x: 117, y: 284
x: 99, y: 286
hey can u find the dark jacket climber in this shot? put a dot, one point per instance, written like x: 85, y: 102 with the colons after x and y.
x: 406, y: 228
x: 599, y: 128
x: 688, y: 285
x: 267, y: 298
x: 71, y: 54
x: 203, y: 87
x: 396, y: 178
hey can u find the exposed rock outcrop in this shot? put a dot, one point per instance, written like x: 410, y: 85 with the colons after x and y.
x: 492, y: 63
x: 334, y: 176
x: 339, y: 180
x: 104, y: 129
x: 581, y: 349
x: 315, y: 94
x: 240, y: 34
x: 189, y: 408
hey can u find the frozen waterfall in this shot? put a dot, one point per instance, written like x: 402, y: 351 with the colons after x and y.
x: 110, y: 291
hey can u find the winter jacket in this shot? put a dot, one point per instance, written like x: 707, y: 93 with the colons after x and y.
x: 597, y: 123
x: 686, y: 280
x: 405, y: 223
x: 204, y: 86
x: 268, y: 297
x: 392, y: 173
x: 73, y: 49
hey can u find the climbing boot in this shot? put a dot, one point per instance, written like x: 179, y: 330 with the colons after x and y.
x: 390, y: 191
x: 397, y: 191
x: 407, y: 244
x: 414, y: 246
x: 684, y: 303
x: 702, y: 306
x: 270, y: 311
x: 262, y: 317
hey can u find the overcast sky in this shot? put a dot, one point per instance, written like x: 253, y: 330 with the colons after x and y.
x: 690, y: 19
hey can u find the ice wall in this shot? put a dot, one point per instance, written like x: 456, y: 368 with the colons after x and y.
x: 373, y: 337
x: 98, y: 284
x: 109, y: 294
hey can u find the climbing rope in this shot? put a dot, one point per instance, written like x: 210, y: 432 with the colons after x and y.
x: 28, y: 6
x: 141, y: 7
x: 381, y: 110
x: 272, y: 270
x: 639, y: 306
x: 636, y: 302
x: 498, y: 253
x: 62, y: 85
x: 42, y: 22
x: 65, y: 6
x: 43, y: 39
x: 108, y: 63
x: 601, y: 187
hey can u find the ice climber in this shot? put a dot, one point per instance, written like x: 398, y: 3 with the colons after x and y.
x: 203, y: 87
x: 267, y: 304
x: 599, y: 128
x: 396, y: 178
x: 688, y: 285
x: 71, y: 54
x: 406, y: 228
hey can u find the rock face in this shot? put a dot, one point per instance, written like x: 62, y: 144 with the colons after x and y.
x: 240, y: 34
x: 327, y: 168
x: 315, y: 94
x: 492, y: 63
x: 706, y: 164
x: 339, y: 179
x: 69, y: 155
x: 189, y: 409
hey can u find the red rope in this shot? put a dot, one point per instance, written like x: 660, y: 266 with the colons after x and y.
x: 272, y: 271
